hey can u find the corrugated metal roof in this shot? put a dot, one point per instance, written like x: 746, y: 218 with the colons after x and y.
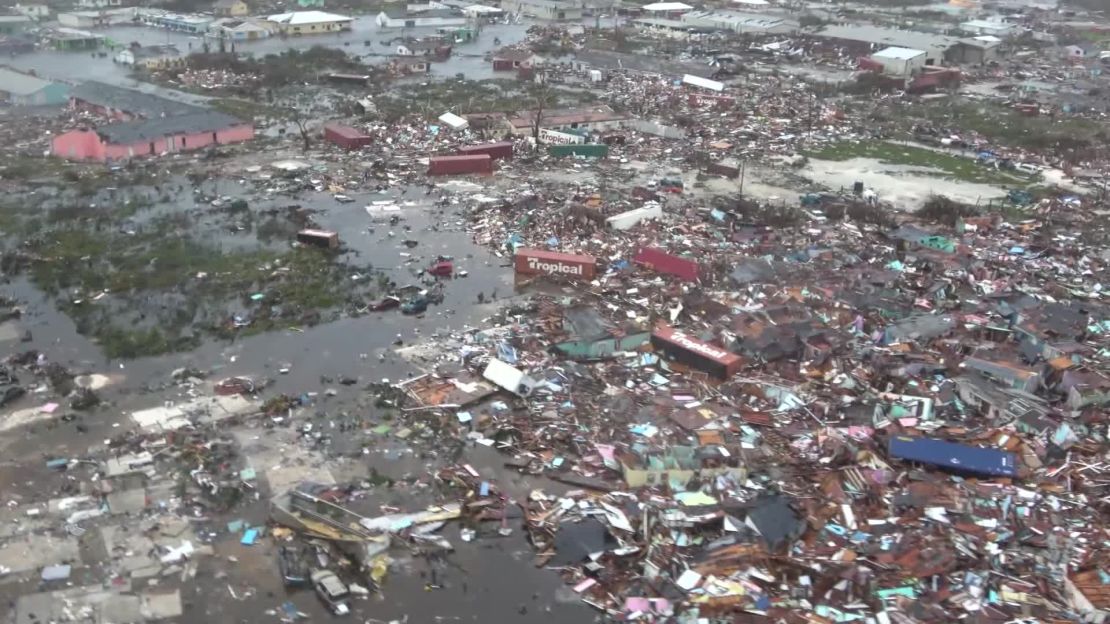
x: 751, y: 21
x: 150, y: 129
x: 16, y: 83
x: 888, y: 36
x: 129, y: 100
x: 902, y: 54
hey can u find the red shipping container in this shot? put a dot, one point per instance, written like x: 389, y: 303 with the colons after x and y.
x: 503, y: 149
x: 540, y: 262
x: 502, y: 65
x: 643, y: 194
x: 346, y: 136
x: 709, y: 358
x: 459, y: 165
x: 717, y: 102
x: 663, y: 262
x: 723, y: 169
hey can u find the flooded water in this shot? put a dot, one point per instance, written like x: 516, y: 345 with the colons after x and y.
x: 349, y: 346
x: 363, y: 41
x: 491, y: 579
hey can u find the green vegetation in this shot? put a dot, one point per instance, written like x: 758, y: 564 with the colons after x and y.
x: 15, y: 219
x: 946, y: 165
x: 244, y: 109
x: 1074, y: 137
x: 27, y: 168
x: 154, y: 292
x: 128, y: 344
x: 810, y: 20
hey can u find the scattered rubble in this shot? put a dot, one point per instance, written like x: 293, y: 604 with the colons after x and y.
x: 713, y: 317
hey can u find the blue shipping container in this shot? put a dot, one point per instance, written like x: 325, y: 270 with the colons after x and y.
x: 952, y: 456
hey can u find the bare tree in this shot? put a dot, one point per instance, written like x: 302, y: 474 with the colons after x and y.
x: 543, y: 96
x: 298, y: 112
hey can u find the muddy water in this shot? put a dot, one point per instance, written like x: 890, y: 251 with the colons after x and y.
x: 349, y: 346
x: 363, y: 41
x: 489, y: 580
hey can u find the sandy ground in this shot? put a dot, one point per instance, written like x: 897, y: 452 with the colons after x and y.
x: 906, y: 187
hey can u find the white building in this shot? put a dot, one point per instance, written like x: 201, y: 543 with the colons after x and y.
x: 900, y: 62
x: 93, y: 19
x: 665, y: 9
x: 551, y: 10
x: 36, y: 12
x: 1081, y: 51
x: 240, y: 29
x: 987, y: 27
x: 433, y: 18
x: 98, y: 4
x: 481, y: 10
x: 150, y: 57
x: 740, y: 22
x: 936, y: 47
x: 310, y: 22
x: 672, y: 28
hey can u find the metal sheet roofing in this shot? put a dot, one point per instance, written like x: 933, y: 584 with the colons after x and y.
x: 16, y: 83
x: 888, y: 36
x: 903, y: 54
x: 150, y: 129
x: 129, y: 100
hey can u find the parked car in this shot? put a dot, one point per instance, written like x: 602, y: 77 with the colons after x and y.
x: 443, y: 268
x: 416, y: 305
x: 332, y: 591
x: 293, y: 565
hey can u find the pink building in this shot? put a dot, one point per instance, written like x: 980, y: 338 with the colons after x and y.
x: 151, y: 137
x: 142, y: 124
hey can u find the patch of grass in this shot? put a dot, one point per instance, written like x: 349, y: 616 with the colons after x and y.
x: 1076, y: 137
x: 26, y: 168
x: 15, y: 219
x: 128, y: 343
x: 946, y: 165
x: 243, y: 109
